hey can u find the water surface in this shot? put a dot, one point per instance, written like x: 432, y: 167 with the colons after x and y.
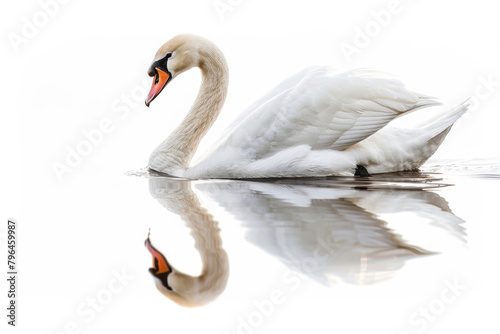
x: 395, y: 253
x: 333, y: 242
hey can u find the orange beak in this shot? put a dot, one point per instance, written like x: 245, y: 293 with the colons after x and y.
x: 159, y: 82
x: 160, y: 264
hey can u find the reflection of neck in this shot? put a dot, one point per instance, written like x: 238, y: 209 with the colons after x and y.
x: 175, y: 153
x: 178, y: 198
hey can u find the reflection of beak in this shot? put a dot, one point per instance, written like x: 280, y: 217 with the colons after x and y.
x: 159, y: 82
x: 160, y: 264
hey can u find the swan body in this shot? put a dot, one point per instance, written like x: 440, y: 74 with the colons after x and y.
x: 315, y: 123
x: 328, y: 233
x: 322, y: 230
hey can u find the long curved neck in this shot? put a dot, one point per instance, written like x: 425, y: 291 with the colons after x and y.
x: 175, y: 153
x: 178, y: 197
x: 206, y: 234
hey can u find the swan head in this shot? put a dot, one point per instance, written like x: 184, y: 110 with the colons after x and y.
x: 178, y: 55
x: 181, y: 288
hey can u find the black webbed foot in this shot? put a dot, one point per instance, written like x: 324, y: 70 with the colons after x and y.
x: 361, y: 171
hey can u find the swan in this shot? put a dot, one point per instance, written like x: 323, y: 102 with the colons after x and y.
x: 315, y: 123
x: 330, y: 234
x: 184, y: 289
x: 322, y: 231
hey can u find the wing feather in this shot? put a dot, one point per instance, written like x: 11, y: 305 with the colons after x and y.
x: 322, y: 110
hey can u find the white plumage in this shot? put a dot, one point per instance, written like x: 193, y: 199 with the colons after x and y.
x: 315, y: 123
x: 325, y: 230
x: 327, y: 233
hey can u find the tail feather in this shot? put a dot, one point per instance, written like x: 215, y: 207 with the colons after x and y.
x: 443, y: 122
x: 424, y: 101
x: 427, y: 101
x: 395, y: 149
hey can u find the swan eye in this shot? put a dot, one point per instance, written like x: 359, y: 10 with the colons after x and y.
x: 168, y: 55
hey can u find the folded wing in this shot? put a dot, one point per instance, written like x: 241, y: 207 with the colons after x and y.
x: 321, y: 109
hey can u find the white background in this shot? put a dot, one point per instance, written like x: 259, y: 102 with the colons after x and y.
x: 82, y: 64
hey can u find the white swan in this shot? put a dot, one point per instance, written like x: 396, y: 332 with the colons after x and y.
x: 186, y: 290
x: 329, y: 234
x: 315, y: 123
x: 326, y: 232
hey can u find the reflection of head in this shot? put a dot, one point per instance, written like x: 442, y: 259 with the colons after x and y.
x: 186, y: 290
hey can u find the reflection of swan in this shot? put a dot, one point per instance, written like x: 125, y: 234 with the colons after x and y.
x: 321, y: 231
x: 187, y: 290
x: 314, y: 123
x: 327, y: 233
